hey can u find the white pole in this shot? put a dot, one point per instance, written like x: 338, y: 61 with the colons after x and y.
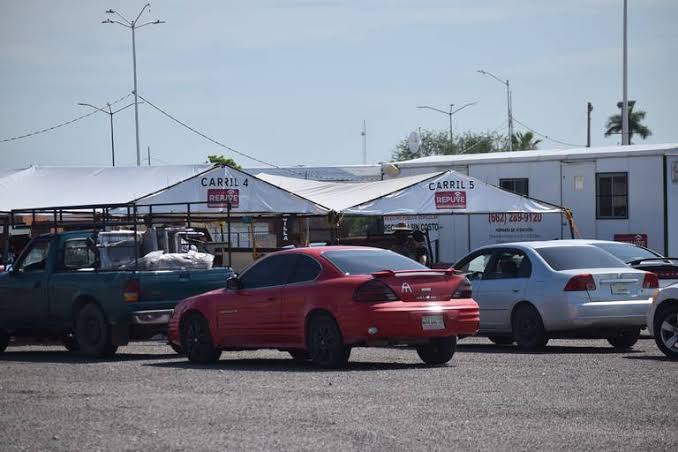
x: 625, y: 100
x: 136, y: 101
x: 510, y: 116
x: 364, y: 134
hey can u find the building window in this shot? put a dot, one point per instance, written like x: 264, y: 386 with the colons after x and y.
x: 612, y: 195
x: 518, y: 186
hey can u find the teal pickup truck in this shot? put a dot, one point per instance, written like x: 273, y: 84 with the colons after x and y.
x: 57, y: 289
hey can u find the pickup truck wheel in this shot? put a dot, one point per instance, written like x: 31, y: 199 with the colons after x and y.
x: 4, y: 340
x: 196, y: 340
x: 70, y: 342
x: 624, y: 339
x: 93, y: 333
x: 439, y: 351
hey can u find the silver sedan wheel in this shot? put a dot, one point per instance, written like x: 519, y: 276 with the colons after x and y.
x: 668, y: 332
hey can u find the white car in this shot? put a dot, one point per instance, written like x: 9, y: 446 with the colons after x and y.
x: 662, y: 320
x: 638, y: 257
x: 531, y: 291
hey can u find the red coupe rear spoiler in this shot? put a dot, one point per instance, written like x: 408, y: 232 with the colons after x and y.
x: 402, y: 273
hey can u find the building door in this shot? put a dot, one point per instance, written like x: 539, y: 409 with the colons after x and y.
x: 578, y: 191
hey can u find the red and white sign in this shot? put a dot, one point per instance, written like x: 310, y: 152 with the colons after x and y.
x: 636, y: 239
x: 450, y: 199
x: 218, y: 197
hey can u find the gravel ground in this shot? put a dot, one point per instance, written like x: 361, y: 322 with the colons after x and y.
x: 576, y: 395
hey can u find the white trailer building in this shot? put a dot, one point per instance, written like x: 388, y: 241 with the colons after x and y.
x: 625, y: 193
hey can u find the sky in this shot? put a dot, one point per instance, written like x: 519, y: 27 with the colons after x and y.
x: 290, y: 82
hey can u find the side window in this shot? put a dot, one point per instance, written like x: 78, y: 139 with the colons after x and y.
x: 475, y: 265
x: 305, y: 269
x: 268, y: 272
x: 78, y: 255
x: 509, y: 264
x: 35, y: 258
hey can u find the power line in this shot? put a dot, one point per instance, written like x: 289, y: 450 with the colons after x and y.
x: 49, y: 129
x: 501, y: 127
x: 548, y: 137
x: 205, y: 136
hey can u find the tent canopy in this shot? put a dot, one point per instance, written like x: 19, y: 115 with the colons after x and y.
x: 339, y: 196
x: 448, y: 192
x: 212, y: 191
x: 53, y: 186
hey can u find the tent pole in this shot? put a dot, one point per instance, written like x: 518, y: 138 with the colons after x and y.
x: 5, y: 232
x: 468, y: 233
x: 136, y: 246
x: 228, y: 228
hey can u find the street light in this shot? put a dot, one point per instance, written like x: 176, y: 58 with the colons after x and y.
x: 110, y: 112
x: 448, y: 113
x: 508, y: 102
x: 132, y: 25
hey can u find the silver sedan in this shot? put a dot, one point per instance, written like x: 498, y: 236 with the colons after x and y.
x: 530, y: 292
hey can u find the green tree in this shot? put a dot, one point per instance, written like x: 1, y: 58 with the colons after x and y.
x: 614, y: 123
x: 524, y: 141
x: 221, y: 160
x: 437, y: 142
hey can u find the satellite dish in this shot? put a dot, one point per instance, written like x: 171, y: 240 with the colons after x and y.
x: 414, y: 142
x: 390, y: 169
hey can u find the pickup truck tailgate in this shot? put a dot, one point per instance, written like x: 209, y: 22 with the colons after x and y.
x: 169, y: 287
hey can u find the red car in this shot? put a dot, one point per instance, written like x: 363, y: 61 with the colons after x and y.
x: 318, y: 303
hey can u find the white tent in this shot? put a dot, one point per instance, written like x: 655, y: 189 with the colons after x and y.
x: 451, y: 193
x: 437, y: 193
x: 54, y: 186
x: 338, y: 196
x: 212, y: 191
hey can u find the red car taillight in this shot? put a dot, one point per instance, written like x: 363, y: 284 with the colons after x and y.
x: 651, y: 281
x: 464, y: 290
x: 580, y: 283
x: 374, y: 290
x: 131, y: 291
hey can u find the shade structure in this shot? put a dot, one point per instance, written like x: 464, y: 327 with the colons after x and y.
x: 339, y: 196
x: 446, y: 192
x: 60, y: 186
x: 222, y: 188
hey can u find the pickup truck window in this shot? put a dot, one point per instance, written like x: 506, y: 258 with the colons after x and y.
x: 35, y: 258
x: 78, y: 255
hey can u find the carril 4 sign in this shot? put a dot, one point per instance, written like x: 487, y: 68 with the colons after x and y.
x: 220, y: 197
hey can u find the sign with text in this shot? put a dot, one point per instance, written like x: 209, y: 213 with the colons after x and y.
x: 220, y: 197
x: 450, y: 199
x: 636, y: 239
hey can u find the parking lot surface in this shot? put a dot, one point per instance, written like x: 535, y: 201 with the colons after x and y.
x: 576, y: 395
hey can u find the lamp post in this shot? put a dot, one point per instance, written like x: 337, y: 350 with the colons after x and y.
x: 133, y: 25
x: 110, y: 113
x: 448, y: 113
x: 508, y: 103
x: 626, y: 136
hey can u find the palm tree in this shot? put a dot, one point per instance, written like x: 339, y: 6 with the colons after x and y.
x: 524, y: 141
x: 614, y: 123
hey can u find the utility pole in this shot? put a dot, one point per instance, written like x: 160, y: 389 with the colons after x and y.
x: 589, y: 109
x: 625, y: 99
x: 509, y: 107
x: 133, y: 25
x: 110, y: 113
x: 364, y: 135
x: 149, y: 155
x: 448, y: 113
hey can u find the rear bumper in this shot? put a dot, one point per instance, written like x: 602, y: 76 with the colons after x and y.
x: 611, y: 313
x: 403, y: 322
